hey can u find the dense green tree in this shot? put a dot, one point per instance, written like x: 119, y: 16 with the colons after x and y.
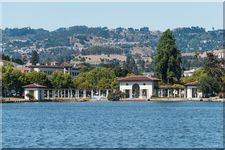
x: 34, y: 58
x: 209, y: 85
x: 6, y: 57
x: 61, y: 80
x: 12, y: 80
x: 37, y: 77
x: 121, y: 72
x: 82, y: 81
x: 97, y: 78
x: 213, y: 67
x: 215, y: 71
x: 168, y: 59
x: 16, y: 60
x: 141, y: 64
x: 130, y: 64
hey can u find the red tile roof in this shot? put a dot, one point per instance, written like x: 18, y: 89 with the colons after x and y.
x: 49, y: 66
x: 34, y: 85
x: 139, y: 78
x: 195, y: 83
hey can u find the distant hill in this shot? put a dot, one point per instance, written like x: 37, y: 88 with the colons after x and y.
x: 65, y: 44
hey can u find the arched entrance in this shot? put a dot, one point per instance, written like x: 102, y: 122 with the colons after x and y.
x: 136, y: 90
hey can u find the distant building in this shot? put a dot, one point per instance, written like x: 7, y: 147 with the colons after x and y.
x: 49, y: 69
x: 140, y: 87
x: 5, y: 63
x: 189, y: 73
x: 23, y: 69
x: 218, y: 53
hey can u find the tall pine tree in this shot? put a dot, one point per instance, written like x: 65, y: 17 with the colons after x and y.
x: 34, y: 58
x: 168, y: 59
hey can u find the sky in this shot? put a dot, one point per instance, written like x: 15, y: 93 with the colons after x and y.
x: 156, y: 16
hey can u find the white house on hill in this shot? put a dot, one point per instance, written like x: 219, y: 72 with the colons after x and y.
x: 49, y: 69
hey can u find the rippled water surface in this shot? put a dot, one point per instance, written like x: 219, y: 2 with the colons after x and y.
x: 113, y: 124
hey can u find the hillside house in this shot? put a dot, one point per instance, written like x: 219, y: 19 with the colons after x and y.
x: 49, y: 69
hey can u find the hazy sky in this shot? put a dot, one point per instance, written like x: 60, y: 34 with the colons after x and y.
x: 156, y: 16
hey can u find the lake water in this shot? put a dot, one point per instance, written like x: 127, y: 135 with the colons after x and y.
x: 113, y: 125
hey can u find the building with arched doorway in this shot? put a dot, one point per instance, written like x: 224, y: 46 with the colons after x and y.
x: 139, y: 87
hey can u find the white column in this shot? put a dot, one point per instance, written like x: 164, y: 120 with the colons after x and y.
x: 161, y: 94
x: 78, y: 93
x: 53, y: 93
x: 168, y: 93
x: 68, y: 93
x: 107, y: 93
x: 64, y: 94
x: 75, y: 94
x: 179, y: 92
x: 140, y: 96
x: 84, y: 93
x: 47, y: 94
x: 92, y: 94
x: 130, y: 93
x: 148, y: 93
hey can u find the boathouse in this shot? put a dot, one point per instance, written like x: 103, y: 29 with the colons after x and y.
x: 139, y: 87
x: 192, y: 90
x: 34, y: 91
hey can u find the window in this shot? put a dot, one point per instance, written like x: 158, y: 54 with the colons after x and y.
x: 144, y: 92
x: 127, y: 93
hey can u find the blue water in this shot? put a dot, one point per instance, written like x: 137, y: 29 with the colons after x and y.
x: 113, y: 125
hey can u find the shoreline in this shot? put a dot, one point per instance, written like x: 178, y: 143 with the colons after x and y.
x: 20, y: 100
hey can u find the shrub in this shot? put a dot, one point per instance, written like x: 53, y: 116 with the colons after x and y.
x: 31, y: 97
x: 115, y: 96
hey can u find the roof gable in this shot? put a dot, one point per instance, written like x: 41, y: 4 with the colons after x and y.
x: 34, y: 85
x: 138, y: 78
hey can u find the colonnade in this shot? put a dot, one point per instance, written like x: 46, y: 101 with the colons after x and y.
x: 171, y: 92
x: 74, y: 93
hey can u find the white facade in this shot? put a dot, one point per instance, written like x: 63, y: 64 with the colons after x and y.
x: 145, y: 89
x: 38, y: 93
x: 50, y: 69
x: 193, y: 92
x: 189, y: 73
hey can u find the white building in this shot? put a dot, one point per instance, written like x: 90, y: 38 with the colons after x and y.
x: 49, y: 69
x: 189, y: 73
x: 192, y: 90
x: 139, y: 87
x: 34, y: 91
